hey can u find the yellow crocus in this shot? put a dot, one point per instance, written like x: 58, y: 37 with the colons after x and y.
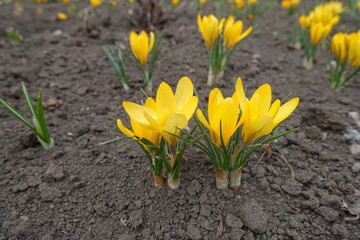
x: 223, y: 117
x: 260, y: 117
x: 209, y: 28
x: 175, y: 2
x: 287, y: 4
x: 233, y: 32
x: 131, y: 1
x: 141, y: 45
x: 95, y: 3
x: 239, y: 3
x: 358, y: 5
x: 66, y: 1
x: 304, y: 22
x: 140, y: 131
x: 251, y: 2
x: 202, y: 2
x: 169, y: 113
x: 339, y: 46
x: 250, y: 17
x: 61, y: 16
x: 354, y: 49
x: 319, y: 32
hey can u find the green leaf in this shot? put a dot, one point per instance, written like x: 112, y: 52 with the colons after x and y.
x: 28, y: 100
x: 41, y: 119
x: 17, y: 114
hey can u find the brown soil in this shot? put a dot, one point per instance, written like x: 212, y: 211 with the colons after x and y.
x: 80, y: 190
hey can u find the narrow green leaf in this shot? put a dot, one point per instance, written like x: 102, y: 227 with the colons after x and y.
x: 17, y: 114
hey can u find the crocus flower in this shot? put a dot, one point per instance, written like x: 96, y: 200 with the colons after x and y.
x: 95, y: 3
x: 259, y: 115
x: 202, y: 2
x: 239, y: 3
x: 175, y: 2
x: 209, y: 28
x: 138, y: 130
x: 318, y: 32
x: 354, y: 49
x: 287, y: 4
x: 61, y: 16
x: 339, y: 46
x: 169, y: 113
x: 223, y: 117
x: 141, y: 45
x: 251, y: 2
x: 233, y: 32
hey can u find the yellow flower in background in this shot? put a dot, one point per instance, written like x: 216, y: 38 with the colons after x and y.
x: 233, y: 32
x: 339, y: 46
x: 41, y: 1
x: 141, y: 45
x: 140, y: 131
x: 319, y: 32
x: 251, y: 2
x: 130, y: 1
x: 250, y: 17
x: 169, y: 113
x: 95, y: 3
x: 223, y: 117
x: 240, y: 3
x: 66, y: 1
x: 114, y: 2
x: 259, y: 116
x: 175, y: 2
x: 287, y: 4
x: 61, y: 16
x: 358, y: 5
x: 354, y: 49
x: 209, y: 28
x: 304, y: 22
x: 202, y: 2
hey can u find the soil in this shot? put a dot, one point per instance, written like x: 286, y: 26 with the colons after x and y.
x: 83, y: 190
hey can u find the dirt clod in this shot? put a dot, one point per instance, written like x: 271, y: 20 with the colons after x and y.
x: 253, y: 216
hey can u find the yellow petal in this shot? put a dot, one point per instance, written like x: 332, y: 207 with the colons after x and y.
x: 202, y: 119
x: 136, y: 112
x: 190, y: 107
x: 152, y: 41
x: 174, y: 124
x: 124, y: 129
x: 264, y: 101
x: 150, y: 103
x: 165, y: 101
x: 240, y: 90
x: 285, y: 110
x: 257, y: 128
x: 274, y: 109
x: 184, y: 91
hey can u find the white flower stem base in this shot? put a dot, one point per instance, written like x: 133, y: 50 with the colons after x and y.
x: 214, y: 77
x: 235, y: 179
x: 308, y: 63
x: 222, y: 178
x: 45, y: 145
x: 158, y: 181
x: 173, y: 183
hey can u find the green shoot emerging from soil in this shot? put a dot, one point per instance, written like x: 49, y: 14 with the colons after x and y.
x: 39, y: 126
x: 14, y: 35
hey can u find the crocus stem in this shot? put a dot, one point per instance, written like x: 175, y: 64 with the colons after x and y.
x: 222, y: 178
x: 126, y: 86
x: 46, y: 145
x: 173, y: 183
x: 235, y: 179
x: 158, y: 180
x: 308, y: 63
x: 210, y: 78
